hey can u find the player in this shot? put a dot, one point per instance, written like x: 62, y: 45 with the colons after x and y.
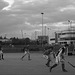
x: 26, y: 52
x: 49, y: 53
x: 1, y: 53
x: 60, y: 58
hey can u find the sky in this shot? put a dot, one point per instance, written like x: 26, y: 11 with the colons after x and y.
x: 23, y: 18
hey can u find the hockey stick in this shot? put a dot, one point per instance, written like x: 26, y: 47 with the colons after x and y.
x: 70, y: 63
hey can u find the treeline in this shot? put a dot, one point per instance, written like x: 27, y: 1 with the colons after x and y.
x: 22, y: 41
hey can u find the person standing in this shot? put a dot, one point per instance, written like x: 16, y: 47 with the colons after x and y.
x: 60, y: 58
x: 1, y: 53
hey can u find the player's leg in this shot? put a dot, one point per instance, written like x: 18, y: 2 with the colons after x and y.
x: 2, y: 56
x: 56, y: 63
x: 24, y: 55
x: 63, y: 66
x: 53, y: 66
x: 29, y: 56
x: 48, y: 61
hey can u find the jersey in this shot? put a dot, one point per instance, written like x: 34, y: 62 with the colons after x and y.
x: 61, y: 51
x: 60, y: 55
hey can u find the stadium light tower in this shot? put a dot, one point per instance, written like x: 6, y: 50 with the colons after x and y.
x: 42, y: 23
x: 42, y: 27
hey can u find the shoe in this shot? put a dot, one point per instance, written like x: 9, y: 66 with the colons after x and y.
x: 29, y: 59
x: 47, y: 65
x: 3, y: 58
x: 65, y: 70
x: 53, y: 66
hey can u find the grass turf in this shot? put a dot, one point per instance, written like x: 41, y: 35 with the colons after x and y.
x: 13, y: 65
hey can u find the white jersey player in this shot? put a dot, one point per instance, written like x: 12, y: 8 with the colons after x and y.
x: 60, y: 58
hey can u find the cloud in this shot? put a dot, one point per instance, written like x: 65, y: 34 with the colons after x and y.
x: 2, y: 4
x: 14, y: 5
x: 26, y: 14
x: 10, y: 3
x: 70, y: 7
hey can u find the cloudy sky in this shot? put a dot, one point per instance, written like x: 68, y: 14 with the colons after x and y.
x: 24, y: 16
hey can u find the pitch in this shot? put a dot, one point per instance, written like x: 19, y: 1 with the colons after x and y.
x: 13, y: 65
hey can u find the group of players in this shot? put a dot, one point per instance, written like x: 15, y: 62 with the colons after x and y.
x: 59, y: 56
x: 50, y: 55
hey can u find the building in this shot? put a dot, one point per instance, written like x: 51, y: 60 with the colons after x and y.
x: 65, y: 36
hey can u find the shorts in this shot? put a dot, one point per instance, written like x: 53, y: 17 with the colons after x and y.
x: 59, y: 59
x: 25, y: 52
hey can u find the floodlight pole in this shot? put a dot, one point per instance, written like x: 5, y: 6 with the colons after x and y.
x: 42, y: 28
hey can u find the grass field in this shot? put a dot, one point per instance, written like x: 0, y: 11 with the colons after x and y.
x: 12, y: 65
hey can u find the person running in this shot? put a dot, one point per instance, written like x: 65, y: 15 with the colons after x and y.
x: 49, y: 53
x: 60, y: 58
x: 26, y: 52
